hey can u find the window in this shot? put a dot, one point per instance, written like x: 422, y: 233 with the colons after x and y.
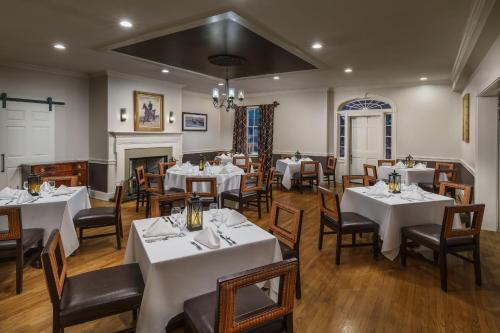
x: 342, y: 136
x: 365, y: 104
x: 388, y: 136
x: 253, y: 130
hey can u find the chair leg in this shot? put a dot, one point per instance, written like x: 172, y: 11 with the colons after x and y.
x: 267, y: 202
x: 19, y: 267
x: 259, y: 208
x: 435, y: 255
x: 121, y: 227
x: 334, y: 183
x: 353, y: 238
x: 56, y: 326
x: 134, y: 315
x: 375, y: 245
x: 289, y: 323
x: 339, y: 247
x: 137, y: 201
x: 298, y: 290
x: 403, y: 250
x: 80, y: 231
x: 444, y: 273
x: 118, y: 238
x: 477, y: 263
x: 321, y: 232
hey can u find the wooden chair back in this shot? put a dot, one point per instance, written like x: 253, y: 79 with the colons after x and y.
x: 212, y: 181
x: 464, y: 198
x: 445, y: 165
x: 329, y: 203
x: 331, y: 163
x: 370, y: 171
x: 140, y: 176
x: 214, y: 162
x: 156, y: 201
x: 157, y: 186
x: 226, y: 319
x: 14, y: 231
x: 451, y: 176
x: 309, y: 168
x: 257, y: 166
x: 348, y: 181
x: 269, y: 179
x: 240, y: 161
x: 251, y: 182
x: 54, y: 266
x: 477, y: 212
x: 285, y: 156
x: 163, y: 167
x: 291, y: 236
x: 118, y: 198
x: 70, y: 181
x: 386, y: 162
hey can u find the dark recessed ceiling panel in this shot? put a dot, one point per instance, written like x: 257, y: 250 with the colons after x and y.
x: 190, y: 49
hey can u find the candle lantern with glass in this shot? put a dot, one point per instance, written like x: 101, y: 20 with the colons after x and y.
x: 33, y: 184
x: 194, y: 213
x: 394, y: 184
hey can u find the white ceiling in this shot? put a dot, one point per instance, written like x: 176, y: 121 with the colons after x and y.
x: 386, y: 42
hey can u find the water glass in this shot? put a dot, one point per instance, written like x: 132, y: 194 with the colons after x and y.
x: 212, y: 209
x: 176, y: 214
x: 52, y: 185
x: 25, y: 185
x: 218, y: 219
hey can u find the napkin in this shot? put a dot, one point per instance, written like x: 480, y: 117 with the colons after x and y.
x: 233, y: 218
x: 238, y: 155
x: 175, y: 168
x: 7, y: 193
x: 62, y: 190
x: 288, y: 159
x: 24, y: 197
x: 223, y: 156
x: 380, y: 189
x: 399, y: 165
x: 207, y: 165
x: 420, y: 166
x: 306, y: 159
x: 209, y: 238
x: 224, y: 170
x: 229, y: 164
x: 160, y: 228
x: 413, y: 195
x: 187, y: 164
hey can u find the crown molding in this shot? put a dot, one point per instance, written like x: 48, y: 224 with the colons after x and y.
x: 478, y: 17
x: 126, y: 76
x: 43, y: 69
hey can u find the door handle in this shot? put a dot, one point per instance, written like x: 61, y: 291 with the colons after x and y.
x: 3, y: 163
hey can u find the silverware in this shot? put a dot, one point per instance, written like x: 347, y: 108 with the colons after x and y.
x: 166, y: 219
x: 197, y: 246
x: 164, y: 238
x: 241, y: 226
x: 226, y: 238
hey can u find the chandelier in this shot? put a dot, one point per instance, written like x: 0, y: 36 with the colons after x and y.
x: 226, y: 98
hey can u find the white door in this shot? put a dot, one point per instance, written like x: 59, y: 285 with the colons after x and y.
x: 366, y: 142
x: 26, y: 136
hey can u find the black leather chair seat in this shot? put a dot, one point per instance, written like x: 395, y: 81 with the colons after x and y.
x: 100, y: 293
x: 236, y: 194
x: 91, y: 217
x: 308, y: 176
x: 286, y: 251
x: 174, y: 190
x: 429, y: 187
x: 430, y: 234
x: 353, y: 222
x: 30, y: 238
x: 199, y: 312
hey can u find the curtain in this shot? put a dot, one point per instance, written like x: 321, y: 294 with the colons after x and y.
x: 240, y: 130
x: 266, y: 135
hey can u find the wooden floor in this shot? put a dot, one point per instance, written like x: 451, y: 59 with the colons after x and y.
x: 360, y: 295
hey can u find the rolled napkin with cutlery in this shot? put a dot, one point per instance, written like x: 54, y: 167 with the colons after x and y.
x: 160, y: 228
x: 7, y: 193
x: 233, y: 217
x: 420, y: 166
x: 63, y: 190
x: 399, y: 165
x: 380, y: 189
x: 24, y: 197
x: 209, y: 238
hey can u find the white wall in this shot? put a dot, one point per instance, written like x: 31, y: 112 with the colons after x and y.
x: 71, y: 120
x: 98, y: 119
x: 198, y: 142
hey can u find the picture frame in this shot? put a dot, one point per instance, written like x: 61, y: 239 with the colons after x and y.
x: 148, y: 112
x: 196, y: 122
x: 466, y: 118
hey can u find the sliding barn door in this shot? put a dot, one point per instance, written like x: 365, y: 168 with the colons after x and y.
x: 26, y: 136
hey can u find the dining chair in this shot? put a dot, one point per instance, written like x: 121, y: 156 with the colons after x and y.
x: 206, y: 197
x: 445, y: 239
x: 386, y: 162
x: 161, y: 201
x: 309, y: 171
x: 98, y: 217
x: 354, y: 180
x: 91, y: 295
x: 445, y: 165
x: 248, y: 193
x: 214, y: 162
x: 241, y: 161
x: 140, y: 182
x: 289, y: 239
x: 16, y: 241
x: 285, y: 156
x: 451, y: 176
x: 370, y: 171
x: 256, y: 166
x: 70, y: 181
x: 266, y: 192
x: 461, y: 193
x: 331, y: 165
x: 238, y: 305
x: 343, y: 223
x: 164, y: 166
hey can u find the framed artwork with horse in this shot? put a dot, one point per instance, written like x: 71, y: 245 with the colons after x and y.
x: 148, y: 112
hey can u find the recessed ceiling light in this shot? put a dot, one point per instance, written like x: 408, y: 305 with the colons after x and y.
x: 423, y: 78
x: 126, y: 24
x: 59, y: 46
x: 276, y: 77
x: 316, y: 46
x: 221, y: 83
x: 348, y: 70
x: 165, y: 71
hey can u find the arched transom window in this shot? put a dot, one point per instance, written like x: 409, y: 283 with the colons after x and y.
x: 365, y: 104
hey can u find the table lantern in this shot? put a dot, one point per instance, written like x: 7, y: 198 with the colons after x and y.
x: 409, y: 162
x: 394, y: 182
x: 33, y: 184
x: 194, y: 213
x: 201, y: 164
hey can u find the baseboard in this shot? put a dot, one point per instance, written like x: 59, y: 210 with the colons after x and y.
x: 94, y: 194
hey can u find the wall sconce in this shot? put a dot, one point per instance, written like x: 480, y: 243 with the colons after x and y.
x: 123, y: 114
x: 171, y: 117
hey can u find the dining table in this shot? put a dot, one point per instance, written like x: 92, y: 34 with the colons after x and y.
x: 410, y: 175
x: 228, y: 158
x: 290, y: 168
x: 395, y: 211
x: 50, y: 211
x: 175, y: 270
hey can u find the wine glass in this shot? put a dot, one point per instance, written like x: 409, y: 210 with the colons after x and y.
x: 175, y: 214
x: 212, y: 209
x: 25, y: 185
x: 52, y: 185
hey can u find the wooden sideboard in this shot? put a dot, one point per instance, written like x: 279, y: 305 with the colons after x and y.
x: 67, y: 168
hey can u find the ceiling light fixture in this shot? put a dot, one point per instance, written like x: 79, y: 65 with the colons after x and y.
x: 59, y: 46
x: 423, y: 78
x: 317, y: 46
x: 226, y: 99
x: 165, y: 71
x: 126, y: 24
x: 221, y: 83
x: 348, y: 70
x: 276, y: 77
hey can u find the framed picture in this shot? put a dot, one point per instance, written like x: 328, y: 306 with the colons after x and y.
x: 148, y: 112
x: 465, y: 118
x: 194, y: 121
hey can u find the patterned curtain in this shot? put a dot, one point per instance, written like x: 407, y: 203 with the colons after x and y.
x: 240, y: 130
x: 266, y: 135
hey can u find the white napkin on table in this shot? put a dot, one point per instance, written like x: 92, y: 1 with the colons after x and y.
x: 287, y: 159
x: 233, y: 217
x: 7, y: 193
x: 399, y: 165
x: 224, y: 170
x: 62, y: 190
x: 223, y: 156
x: 306, y: 159
x: 160, y: 228
x: 209, y: 238
x: 207, y: 165
x: 175, y: 168
x: 420, y: 166
x: 413, y: 195
x: 24, y: 197
x: 380, y: 189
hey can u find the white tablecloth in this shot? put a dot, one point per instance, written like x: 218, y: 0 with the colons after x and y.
x: 54, y: 212
x: 225, y: 182
x: 409, y: 176
x: 393, y: 213
x: 289, y: 168
x: 226, y: 159
x: 175, y: 271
